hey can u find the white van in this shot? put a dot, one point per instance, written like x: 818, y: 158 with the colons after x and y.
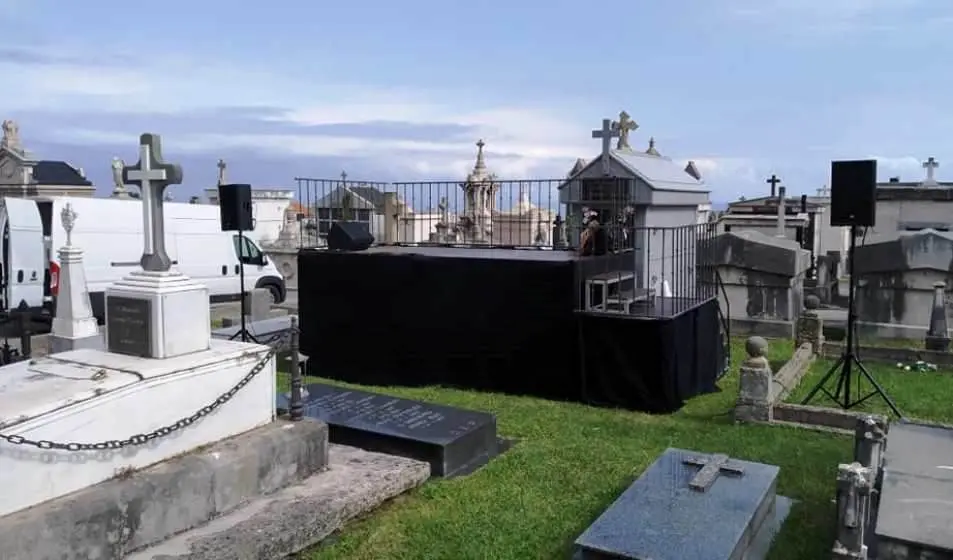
x: 109, y: 231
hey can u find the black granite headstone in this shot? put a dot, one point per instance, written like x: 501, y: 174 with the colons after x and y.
x: 454, y: 441
x: 129, y: 326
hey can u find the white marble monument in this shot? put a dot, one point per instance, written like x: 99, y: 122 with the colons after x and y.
x: 162, y: 388
x: 73, y: 325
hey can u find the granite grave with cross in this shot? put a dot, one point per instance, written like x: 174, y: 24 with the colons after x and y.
x: 160, y: 389
x: 690, y: 506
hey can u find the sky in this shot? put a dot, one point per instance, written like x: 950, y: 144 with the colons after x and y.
x: 401, y: 91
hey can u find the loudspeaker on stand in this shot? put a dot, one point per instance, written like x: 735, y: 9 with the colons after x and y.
x: 854, y: 193
x: 235, y: 206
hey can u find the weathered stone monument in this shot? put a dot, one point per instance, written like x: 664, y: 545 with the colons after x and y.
x: 754, y: 384
x: 897, y: 278
x: 73, y: 325
x: 763, y: 279
x: 681, y: 490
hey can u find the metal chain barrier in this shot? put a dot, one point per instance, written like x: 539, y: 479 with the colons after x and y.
x: 276, y: 342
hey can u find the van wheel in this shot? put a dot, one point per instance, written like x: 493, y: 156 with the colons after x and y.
x: 274, y: 294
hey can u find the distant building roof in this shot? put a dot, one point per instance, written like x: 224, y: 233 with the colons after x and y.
x: 48, y: 172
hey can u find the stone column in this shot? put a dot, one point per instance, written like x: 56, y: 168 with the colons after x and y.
x: 870, y: 438
x: 73, y: 326
x: 810, y: 327
x: 854, y: 487
x: 391, y: 214
x: 782, y: 214
x: 754, y: 384
x: 938, y: 337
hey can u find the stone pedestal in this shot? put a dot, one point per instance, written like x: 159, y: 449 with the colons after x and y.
x: 754, y: 384
x: 73, y: 325
x: 854, y: 487
x: 810, y: 327
x: 157, y: 315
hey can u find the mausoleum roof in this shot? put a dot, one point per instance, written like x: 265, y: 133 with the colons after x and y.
x: 659, y: 172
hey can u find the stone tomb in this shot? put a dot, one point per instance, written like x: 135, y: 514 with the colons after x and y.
x: 163, y: 388
x: 916, y: 495
x: 690, y: 506
x: 454, y: 441
x: 763, y: 280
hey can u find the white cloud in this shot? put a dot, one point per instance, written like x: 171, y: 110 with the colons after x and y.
x: 532, y: 138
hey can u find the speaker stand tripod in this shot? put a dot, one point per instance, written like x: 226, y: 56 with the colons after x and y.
x: 243, y: 330
x: 845, y: 365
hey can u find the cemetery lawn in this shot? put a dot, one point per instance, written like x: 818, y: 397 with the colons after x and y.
x: 919, y: 395
x: 571, y: 462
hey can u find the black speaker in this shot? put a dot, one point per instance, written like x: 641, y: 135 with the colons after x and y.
x: 854, y: 193
x: 349, y: 236
x: 234, y: 203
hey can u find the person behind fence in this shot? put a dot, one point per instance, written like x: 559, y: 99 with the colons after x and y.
x: 593, y: 240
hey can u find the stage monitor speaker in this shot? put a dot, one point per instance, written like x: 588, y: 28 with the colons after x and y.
x: 349, y: 236
x: 854, y: 193
x: 235, y: 206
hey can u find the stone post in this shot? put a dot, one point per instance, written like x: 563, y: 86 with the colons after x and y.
x: 938, y: 337
x: 870, y: 438
x: 782, y: 214
x: 754, y: 384
x: 74, y: 326
x: 810, y: 327
x: 391, y: 215
x: 854, y: 487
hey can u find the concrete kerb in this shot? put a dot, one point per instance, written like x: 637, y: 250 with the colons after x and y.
x: 145, y: 507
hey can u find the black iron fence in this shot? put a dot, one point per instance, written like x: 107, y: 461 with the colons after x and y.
x: 479, y: 211
x: 651, y: 271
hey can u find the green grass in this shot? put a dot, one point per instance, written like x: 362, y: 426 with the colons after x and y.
x: 571, y: 462
x: 924, y: 396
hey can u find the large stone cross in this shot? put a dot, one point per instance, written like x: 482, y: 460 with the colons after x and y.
x: 607, y: 133
x: 930, y: 165
x: 152, y: 176
x: 710, y: 469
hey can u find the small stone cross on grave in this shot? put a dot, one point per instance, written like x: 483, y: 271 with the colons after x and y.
x: 152, y: 176
x: 710, y: 469
x: 930, y: 165
x: 607, y: 133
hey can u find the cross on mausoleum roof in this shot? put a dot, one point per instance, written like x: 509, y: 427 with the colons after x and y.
x: 152, y: 176
x: 624, y: 125
x: 606, y: 134
x: 930, y: 165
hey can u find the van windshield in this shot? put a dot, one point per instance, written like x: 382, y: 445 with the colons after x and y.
x: 246, y: 249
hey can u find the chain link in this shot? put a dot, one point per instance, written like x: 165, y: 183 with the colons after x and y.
x: 276, y: 342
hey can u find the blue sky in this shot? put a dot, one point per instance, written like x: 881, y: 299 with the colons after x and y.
x: 402, y: 90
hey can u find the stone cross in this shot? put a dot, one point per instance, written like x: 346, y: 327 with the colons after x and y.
x: 710, y: 469
x: 824, y: 191
x: 344, y: 177
x: 930, y: 165
x: 68, y: 217
x: 222, y: 166
x: 625, y: 125
x: 152, y: 176
x: 607, y: 133
x: 773, y: 181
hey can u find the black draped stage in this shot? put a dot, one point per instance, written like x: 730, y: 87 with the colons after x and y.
x: 496, y: 320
